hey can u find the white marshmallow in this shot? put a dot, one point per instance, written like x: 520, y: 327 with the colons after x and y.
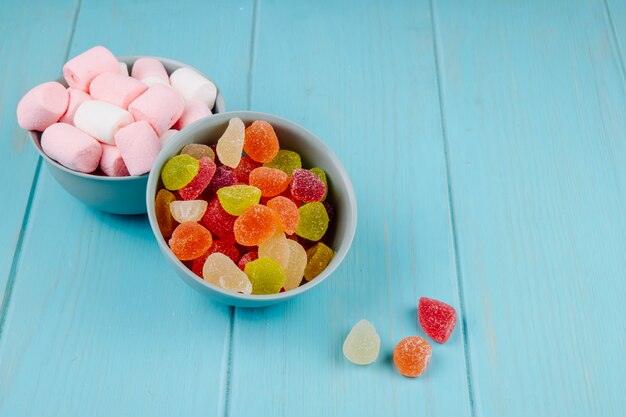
x: 101, y: 120
x: 167, y: 136
x: 150, y: 81
x: 192, y: 85
x: 123, y: 68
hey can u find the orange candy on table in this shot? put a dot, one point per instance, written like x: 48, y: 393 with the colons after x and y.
x: 411, y: 356
x: 255, y: 225
x: 287, y: 212
x: 260, y: 142
x: 270, y: 181
x: 190, y: 241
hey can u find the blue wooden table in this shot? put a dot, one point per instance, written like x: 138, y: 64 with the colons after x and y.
x: 486, y: 142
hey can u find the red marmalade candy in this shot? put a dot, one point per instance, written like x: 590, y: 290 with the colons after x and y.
x: 218, y: 221
x: 436, y: 318
x: 202, y: 179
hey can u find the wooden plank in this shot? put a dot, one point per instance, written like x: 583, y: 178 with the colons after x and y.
x: 34, y: 46
x: 98, y: 324
x: 535, y: 119
x: 362, y: 76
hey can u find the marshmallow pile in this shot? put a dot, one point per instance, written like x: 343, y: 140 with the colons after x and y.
x: 110, y: 120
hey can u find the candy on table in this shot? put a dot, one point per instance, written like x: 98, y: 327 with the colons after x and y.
x: 313, y: 221
x: 321, y: 174
x: 238, y: 198
x: 162, y: 212
x: 270, y: 181
x: 411, y: 356
x: 362, y: 344
x: 111, y: 162
x: 189, y: 241
x: 150, y: 71
x: 188, y: 211
x: 220, y: 246
x: 436, y: 318
x: 319, y: 256
x: 178, y: 171
x: 261, y: 143
x: 294, y: 270
x: 101, y: 120
x: 286, y: 161
x: 193, y: 86
x: 306, y: 186
x: 230, y: 144
x: 247, y: 257
x: 194, y: 110
x: 255, y: 225
x: 246, y: 165
x: 161, y: 106
x: 71, y: 148
x: 266, y: 276
x: 42, y: 106
x: 287, y: 212
x: 139, y: 146
x: 198, y: 151
x: 220, y: 270
x: 224, y: 177
x: 76, y: 98
x: 82, y: 69
x: 277, y: 248
x: 219, y: 222
x: 167, y: 136
x: 117, y: 89
x: 201, y: 181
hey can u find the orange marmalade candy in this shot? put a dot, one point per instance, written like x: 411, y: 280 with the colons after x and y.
x: 255, y: 225
x: 270, y: 181
x: 261, y: 143
x: 190, y: 241
x: 411, y: 356
x: 287, y: 212
x: 162, y: 212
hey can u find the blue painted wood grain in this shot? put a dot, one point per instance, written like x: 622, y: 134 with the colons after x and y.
x: 535, y: 105
x: 362, y: 76
x: 98, y: 324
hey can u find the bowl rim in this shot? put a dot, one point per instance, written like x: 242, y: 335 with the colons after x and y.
x: 269, y: 298
x: 127, y: 59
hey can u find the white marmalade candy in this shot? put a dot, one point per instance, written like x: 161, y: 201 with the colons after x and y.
x: 276, y: 247
x: 230, y: 145
x: 362, y: 344
x: 294, y: 271
x: 220, y: 270
x: 188, y: 211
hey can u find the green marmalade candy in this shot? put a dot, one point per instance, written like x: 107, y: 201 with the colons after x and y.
x: 286, y: 161
x: 266, y: 276
x: 237, y: 198
x: 179, y: 171
x: 313, y: 221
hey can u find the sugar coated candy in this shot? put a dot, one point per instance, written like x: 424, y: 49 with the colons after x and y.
x: 230, y: 144
x: 266, y: 275
x: 189, y: 241
x: 178, y: 171
x: 286, y: 161
x: 313, y: 221
x: 412, y: 355
x: 218, y: 221
x: 436, y: 318
x: 270, y: 181
x: 248, y: 257
x: 255, y: 225
x: 237, y: 198
x: 198, y: 151
x: 220, y: 270
x: 287, y: 212
x: 362, y: 345
x: 319, y: 256
x: 223, y: 177
x: 294, y: 270
x: 276, y: 247
x: 321, y: 174
x: 261, y: 143
x: 188, y: 211
x: 201, y: 181
x: 220, y: 246
x: 245, y: 167
x: 306, y: 186
x: 162, y: 212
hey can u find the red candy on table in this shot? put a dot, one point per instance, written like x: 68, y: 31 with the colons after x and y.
x: 190, y: 240
x: 218, y: 246
x: 436, y: 318
x: 306, y: 186
x: 218, y: 221
x: 245, y: 167
x: 200, y: 182
x: 248, y: 257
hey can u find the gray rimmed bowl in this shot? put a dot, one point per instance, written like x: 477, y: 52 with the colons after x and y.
x: 314, y: 153
x: 117, y: 195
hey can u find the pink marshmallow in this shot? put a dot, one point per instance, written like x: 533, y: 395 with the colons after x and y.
x: 42, y: 106
x: 71, y: 147
x: 160, y: 106
x: 82, y: 69
x: 149, y: 67
x: 194, y: 110
x: 77, y: 97
x: 139, y: 146
x: 111, y: 162
x: 117, y: 89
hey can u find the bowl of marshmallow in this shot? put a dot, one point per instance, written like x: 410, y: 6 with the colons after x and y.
x: 101, y: 126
